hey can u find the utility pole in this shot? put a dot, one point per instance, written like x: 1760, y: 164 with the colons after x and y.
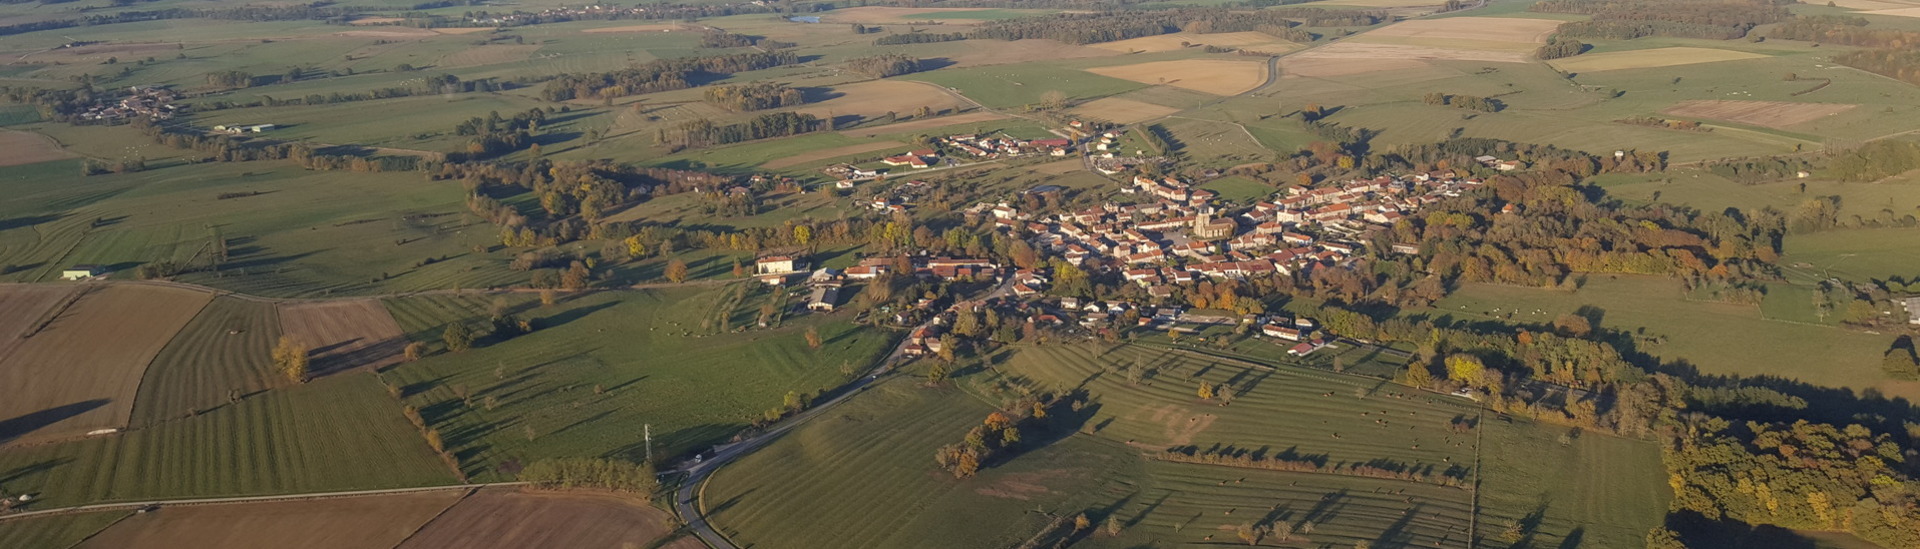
x: 649, y: 434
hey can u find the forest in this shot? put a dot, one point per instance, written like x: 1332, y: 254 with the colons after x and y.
x: 1629, y: 19
x: 753, y: 97
x: 882, y: 66
x: 705, y: 133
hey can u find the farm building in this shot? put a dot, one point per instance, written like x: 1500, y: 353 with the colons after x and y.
x: 824, y: 299
x: 80, y: 272
x: 243, y: 128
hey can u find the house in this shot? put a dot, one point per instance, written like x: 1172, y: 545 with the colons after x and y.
x: 1282, y: 332
x: 1913, y: 310
x: 1303, y: 349
x: 80, y: 272
x: 824, y: 299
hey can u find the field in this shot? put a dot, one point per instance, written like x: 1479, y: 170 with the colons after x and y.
x: 341, y: 335
x: 1717, y: 338
x: 1640, y: 59
x: 373, y: 522
x: 1254, y: 41
x: 80, y: 372
x: 223, y: 352
x: 1018, y: 85
x: 21, y: 148
x: 599, y: 366
x: 1509, y: 34
x: 1592, y: 490
x: 1771, y: 114
x: 831, y: 153
x: 886, y: 438
x: 1215, y: 76
x: 1122, y: 111
x: 512, y: 518
x: 924, y: 124
x: 886, y: 15
x: 335, y: 433
x: 1859, y: 254
x: 634, y: 28
x: 878, y: 97
x: 55, y: 532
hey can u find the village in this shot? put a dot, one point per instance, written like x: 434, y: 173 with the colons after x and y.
x: 152, y: 102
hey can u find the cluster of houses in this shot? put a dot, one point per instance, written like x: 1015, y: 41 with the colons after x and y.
x: 989, y: 147
x: 152, y: 102
x: 1382, y: 201
x: 923, y: 158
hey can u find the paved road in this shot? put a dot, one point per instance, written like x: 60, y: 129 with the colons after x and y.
x: 687, y: 499
x: 245, y: 499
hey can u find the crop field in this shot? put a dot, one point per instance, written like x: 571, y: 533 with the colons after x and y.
x: 1590, y: 490
x: 223, y: 352
x: 513, y: 518
x: 663, y: 27
x: 20, y: 148
x: 599, y: 365
x: 1254, y: 41
x: 1215, y: 76
x: 1510, y: 34
x: 335, y: 433
x: 1640, y: 59
x: 924, y: 124
x: 342, y: 335
x: 1717, y: 338
x: 980, y: 53
x: 55, y: 532
x: 371, y: 522
x: 1122, y: 111
x: 80, y: 371
x: 1771, y: 114
x: 878, y: 97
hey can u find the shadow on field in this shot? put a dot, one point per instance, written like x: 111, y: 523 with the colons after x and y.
x: 28, y: 221
x: 14, y: 428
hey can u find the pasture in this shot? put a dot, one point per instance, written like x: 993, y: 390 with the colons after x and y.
x: 80, y: 367
x: 224, y: 352
x: 1856, y: 254
x: 1717, y: 338
x: 1586, y: 490
x: 1214, y: 76
x: 1121, y: 110
x: 687, y: 361
x: 923, y: 124
x: 877, y: 97
x: 55, y: 532
x: 1024, y: 84
x: 1771, y: 114
x: 830, y: 153
x: 1640, y: 59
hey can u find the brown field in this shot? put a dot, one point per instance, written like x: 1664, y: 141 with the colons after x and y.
x: 487, y: 55
x: 1122, y: 111
x: 836, y: 152
x: 926, y: 124
x: 21, y: 148
x: 81, y: 371
x: 1640, y: 59
x: 976, y: 53
x: 511, y: 518
x: 25, y: 304
x: 634, y: 28
x: 1498, y: 33
x: 375, y: 20
x: 877, y: 97
x: 344, y: 334
x: 1348, y: 58
x: 1257, y: 41
x: 461, y: 30
x: 1771, y: 114
x: 1215, y: 76
x: 372, y: 522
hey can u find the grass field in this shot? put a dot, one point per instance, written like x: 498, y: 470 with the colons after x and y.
x: 1018, y: 85
x: 1214, y: 76
x: 1638, y: 59
x: 872, y: 481
x: 598, y: 366
x: 224, y: 351
x: 1592, y: 491
x: 1860, y: 254
x: 1717, y: 338
x: 55, y: 532
x: 335, y: 433
x: 1239, y: 189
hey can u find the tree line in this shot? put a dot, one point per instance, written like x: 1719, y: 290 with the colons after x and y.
x: 1628, y: 19
x: 753, y: 97
x: 705, y: 133
x: 660, y: 75
x: 1468, y: 102
x: 722, y: 39
x: 918, y: 38
x: 1090, y: 28
x: 882, y: 66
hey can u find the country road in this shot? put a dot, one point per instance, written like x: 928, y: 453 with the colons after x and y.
x: 130, y: 505
x: 687, y: 499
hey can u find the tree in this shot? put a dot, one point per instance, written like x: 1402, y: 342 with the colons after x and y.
x: 415, y: 351
x: 1080, y: 522
x: 1206, y: 391
x: 677, y: 271
x: 290, y: 358
x: 1573, y: 325
x: 1662, y: 538
x: 937, y: 373
x: 1113, y: 525
x: 458, y: 337
x: 1249, y: 533
x: 813, y: 337
x: 1053, y: 100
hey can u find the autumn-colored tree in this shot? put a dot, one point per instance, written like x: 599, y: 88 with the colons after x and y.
x: 290, y: 358
x: 1080, y: 521
x: 415, y: 351
x: 1248, y: 533
x: 739, y: 270
x: 1206, y: 391
x: 677, y: 271
x: 813, y: 337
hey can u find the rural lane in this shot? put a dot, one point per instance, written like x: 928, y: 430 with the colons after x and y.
x: 247, y: 499
x: 686, y: 499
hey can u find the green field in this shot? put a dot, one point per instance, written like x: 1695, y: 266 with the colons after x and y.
x: 55, y: 532
x: 336, y: 433
x: 871, y: 479
x: 1007, y: 86
x: 599, y: 366
x: 1717, y: 338
x: 1858, y: 254
x: 222, y: 353
x: 1592, y: 490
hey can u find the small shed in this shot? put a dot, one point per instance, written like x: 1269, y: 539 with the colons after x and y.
x: 80, y: 272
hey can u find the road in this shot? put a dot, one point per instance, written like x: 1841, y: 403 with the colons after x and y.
x: 686, y: 499
x: 245, y: 499
x: 449, y: 291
